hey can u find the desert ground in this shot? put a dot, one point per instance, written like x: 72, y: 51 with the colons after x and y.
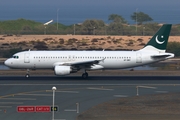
x: 77, y: 42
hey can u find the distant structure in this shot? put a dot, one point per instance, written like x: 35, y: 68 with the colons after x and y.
x: 47, y: 23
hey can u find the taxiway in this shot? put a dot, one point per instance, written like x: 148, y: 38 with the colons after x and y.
x: 74, y: 95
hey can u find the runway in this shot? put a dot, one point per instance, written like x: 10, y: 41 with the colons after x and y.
x: 74, y: 95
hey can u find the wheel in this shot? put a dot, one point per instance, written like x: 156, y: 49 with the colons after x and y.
x: 27, y: 75
x: 85, y: 75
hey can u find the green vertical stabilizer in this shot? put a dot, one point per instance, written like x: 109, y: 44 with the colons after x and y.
x: 160, y: 39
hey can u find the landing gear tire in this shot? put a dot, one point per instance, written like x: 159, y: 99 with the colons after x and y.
x: 85, y: 75
x: 27, y: 76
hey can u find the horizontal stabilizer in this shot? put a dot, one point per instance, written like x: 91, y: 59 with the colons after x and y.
x: 159, y: 56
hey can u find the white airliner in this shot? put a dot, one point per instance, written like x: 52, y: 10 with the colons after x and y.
x: 66, y: 62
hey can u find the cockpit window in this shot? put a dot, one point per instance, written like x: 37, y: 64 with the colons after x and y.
x: 16, y: 57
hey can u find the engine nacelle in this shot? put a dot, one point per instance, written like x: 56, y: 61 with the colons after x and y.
x: 62, y: 70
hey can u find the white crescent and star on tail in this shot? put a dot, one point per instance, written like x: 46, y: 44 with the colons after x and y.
x: 159, y: 42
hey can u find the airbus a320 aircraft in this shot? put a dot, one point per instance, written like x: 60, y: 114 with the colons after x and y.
x: 66, y: 62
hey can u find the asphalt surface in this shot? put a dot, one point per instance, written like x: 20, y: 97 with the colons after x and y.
x: 74, y: 95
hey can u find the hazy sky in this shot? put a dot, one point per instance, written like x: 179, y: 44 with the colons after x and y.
x: 91, y: 8
x: 57, y: 3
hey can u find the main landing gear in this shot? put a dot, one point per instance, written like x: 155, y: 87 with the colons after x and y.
x: 27, y: 74
x: 85, y: 75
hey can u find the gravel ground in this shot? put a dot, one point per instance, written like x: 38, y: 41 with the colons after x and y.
x: 149, y: 107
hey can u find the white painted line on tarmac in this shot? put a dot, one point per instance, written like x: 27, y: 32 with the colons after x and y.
x: 162, y: 91
x: 11, y: 102
x: 5, y: 106
x: 63, y: 91
x: 70, y: 110
x: 147, y: 87
x: 120, y: 96
x: 17, y: 98
x: 91, y: 88
x: 90, y: 84
x: 68, y: 91
x: 59, y: 119
x: 35, y: 94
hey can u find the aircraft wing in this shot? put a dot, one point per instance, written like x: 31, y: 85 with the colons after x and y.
x: 80, y: 64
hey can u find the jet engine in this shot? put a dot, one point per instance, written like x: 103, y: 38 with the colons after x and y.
x: 62, y: 70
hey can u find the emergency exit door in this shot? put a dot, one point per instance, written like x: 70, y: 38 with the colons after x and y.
x: 27, y: 58
x: 138, y: 58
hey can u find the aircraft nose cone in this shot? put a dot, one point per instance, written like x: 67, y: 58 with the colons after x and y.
x: 7, y: 63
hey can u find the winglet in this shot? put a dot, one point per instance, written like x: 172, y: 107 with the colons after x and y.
x: 159, y: 41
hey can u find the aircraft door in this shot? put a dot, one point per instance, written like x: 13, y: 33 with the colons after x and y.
x: 138, y: 58
x: 71, y: 57
x: 27, y: 58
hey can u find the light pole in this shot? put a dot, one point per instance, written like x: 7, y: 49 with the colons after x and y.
x: 143, y: 31
x: 45, y: 30
x: 94, y: 30
x: 77, y: 104
x: 136, y: 21
x: 53, y: 89
x: 57, y: 18
x: 45, y: 24
x: 74, y: 29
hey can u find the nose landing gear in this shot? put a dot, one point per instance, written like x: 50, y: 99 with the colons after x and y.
x: 85, y: 75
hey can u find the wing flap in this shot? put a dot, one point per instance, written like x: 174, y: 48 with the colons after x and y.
x: 79, y: 63
x: 89, y: 62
